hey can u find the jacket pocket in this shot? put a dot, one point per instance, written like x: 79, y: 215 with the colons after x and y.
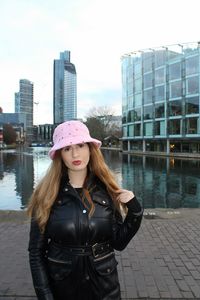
x: 58, y: 269
x: 105, y: 265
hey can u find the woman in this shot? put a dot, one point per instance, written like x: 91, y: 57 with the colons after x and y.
x: 77, y: 221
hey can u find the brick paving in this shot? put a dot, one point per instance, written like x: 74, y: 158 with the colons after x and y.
x: 161, y: 262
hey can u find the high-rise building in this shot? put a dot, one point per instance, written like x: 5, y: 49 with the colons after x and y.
x: 64, y: 89
x: 24, y: 104
x: 161, y: 99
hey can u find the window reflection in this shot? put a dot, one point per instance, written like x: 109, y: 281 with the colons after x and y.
x: 159, y: 110
x: 160, y: 76
x: 148, y: 112
x: 160, y: 127
x: 175, y: 126
x: 148, y: 80
x: 148, y: 96
x: 148, y: 129
x: 191, y: 125
x: 175, y: 71
x: 192, y: 85
x: 192, y: 65
x: 159, y: 93
x: 175, y: 89
x: 137, y: 129
x: 192, y: 105
x: 175, y: 108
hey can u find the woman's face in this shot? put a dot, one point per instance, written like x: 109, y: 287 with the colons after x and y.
x: 76, y: 157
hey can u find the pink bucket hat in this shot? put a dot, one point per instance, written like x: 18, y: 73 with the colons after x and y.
x: 71, y: 133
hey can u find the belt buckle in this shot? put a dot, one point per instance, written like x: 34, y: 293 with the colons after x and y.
x: 94, y: 249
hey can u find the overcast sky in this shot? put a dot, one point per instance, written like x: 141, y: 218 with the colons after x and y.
x: 97, y: 32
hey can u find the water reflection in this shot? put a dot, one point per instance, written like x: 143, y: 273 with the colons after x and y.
x: 157, y: 181
x: 162, y: 182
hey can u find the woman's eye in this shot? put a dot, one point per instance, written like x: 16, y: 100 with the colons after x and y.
x: 66, y: 148
x: 81, y: 145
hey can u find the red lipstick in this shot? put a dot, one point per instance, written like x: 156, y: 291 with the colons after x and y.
x: 76, y: 162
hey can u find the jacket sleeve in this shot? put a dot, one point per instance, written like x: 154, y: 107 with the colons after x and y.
x: 123, y: 231
x: 37, y: 250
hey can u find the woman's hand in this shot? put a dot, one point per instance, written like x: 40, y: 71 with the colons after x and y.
x: 125, y: 196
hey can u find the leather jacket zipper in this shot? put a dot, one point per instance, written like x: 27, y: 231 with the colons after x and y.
x: 103, y: 257
x: 58, y: 261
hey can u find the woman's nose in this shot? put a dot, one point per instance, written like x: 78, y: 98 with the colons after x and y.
x: 74, y: 152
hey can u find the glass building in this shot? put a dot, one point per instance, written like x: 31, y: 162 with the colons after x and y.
x: 160, y: 99
x: 65, y: 89
x: 24, y: 105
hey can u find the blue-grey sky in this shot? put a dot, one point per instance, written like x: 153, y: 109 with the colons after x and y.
x: 97, y: 32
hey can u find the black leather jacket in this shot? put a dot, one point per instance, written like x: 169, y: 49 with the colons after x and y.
x: 69, y: 226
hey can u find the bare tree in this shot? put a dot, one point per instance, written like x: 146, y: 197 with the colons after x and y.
x: 103, y: 113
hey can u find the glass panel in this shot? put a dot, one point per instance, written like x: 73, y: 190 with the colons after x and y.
x: 160, y: 58
x: 175, y: 108
x: 137, y: 114
x: 147, y: 80
x: 148, y: 96
x: 138, y: 99
x: 124, y: 131
x: 160, y: 110
x: 175, y: 89
x: 174, y: 126
x: 137, y: 129
x: 148, y: 129
x: 175, y: 71
x: 192, y: 65
x: 147, y: 62
x: 191, y: 125
x: 148, y: 112
x: 192, y: 85
x: 159, y: 93
x: 192, y: 105
x: 138, y: 85
x: 160, y: 128
x: 130, y: 130
x: 138, y: 70
x: 160, y: 76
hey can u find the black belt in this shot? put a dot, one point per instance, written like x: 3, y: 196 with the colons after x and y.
x: 97, y: 250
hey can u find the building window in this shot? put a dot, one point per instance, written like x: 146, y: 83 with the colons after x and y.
x: 148, y: 112
x: 138, y: 99
x: 192, y: 65
x: 147, y: 80
x: 138, y: 70
x: 137, y: 114
x: 148, y: 129
x: 148, y: 96
x: 175, y: 71
x: 192, y: 85
x: 160, y: 128
x: 147, y: 62
x: 191, y: 126
x: 160, y: 76
x: 159, y: 93
x: 138, y: 85
x: 175, y: 89
x: 160, y: 58
x: 174, y: 127
x: 137, y: 130
x: 175, y: 108
x: 125, y: 131
x: 130, y: 130
x: 192, y: 105
x: 160, y: 110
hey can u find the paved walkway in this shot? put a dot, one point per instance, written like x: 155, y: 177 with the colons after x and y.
x: 161, y: 262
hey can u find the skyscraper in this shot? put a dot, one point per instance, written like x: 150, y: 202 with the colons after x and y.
x: 64, y: 89
x: 24, y: 104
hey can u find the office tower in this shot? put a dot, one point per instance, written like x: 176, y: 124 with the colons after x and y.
x: 24, y: 104
x: 161, y: 99
x: 64, y: 89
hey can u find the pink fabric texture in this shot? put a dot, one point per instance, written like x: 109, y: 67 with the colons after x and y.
x: 71, y: 133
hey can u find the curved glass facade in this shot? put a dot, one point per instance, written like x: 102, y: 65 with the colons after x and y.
x: 160, y: 99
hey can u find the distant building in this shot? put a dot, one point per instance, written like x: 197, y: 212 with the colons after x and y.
x: 18, y: 122
x: 161, y: 99
x: 64, y: 89
x: 24, y: 104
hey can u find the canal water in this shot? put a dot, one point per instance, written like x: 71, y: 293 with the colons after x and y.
x: 157, y: 182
